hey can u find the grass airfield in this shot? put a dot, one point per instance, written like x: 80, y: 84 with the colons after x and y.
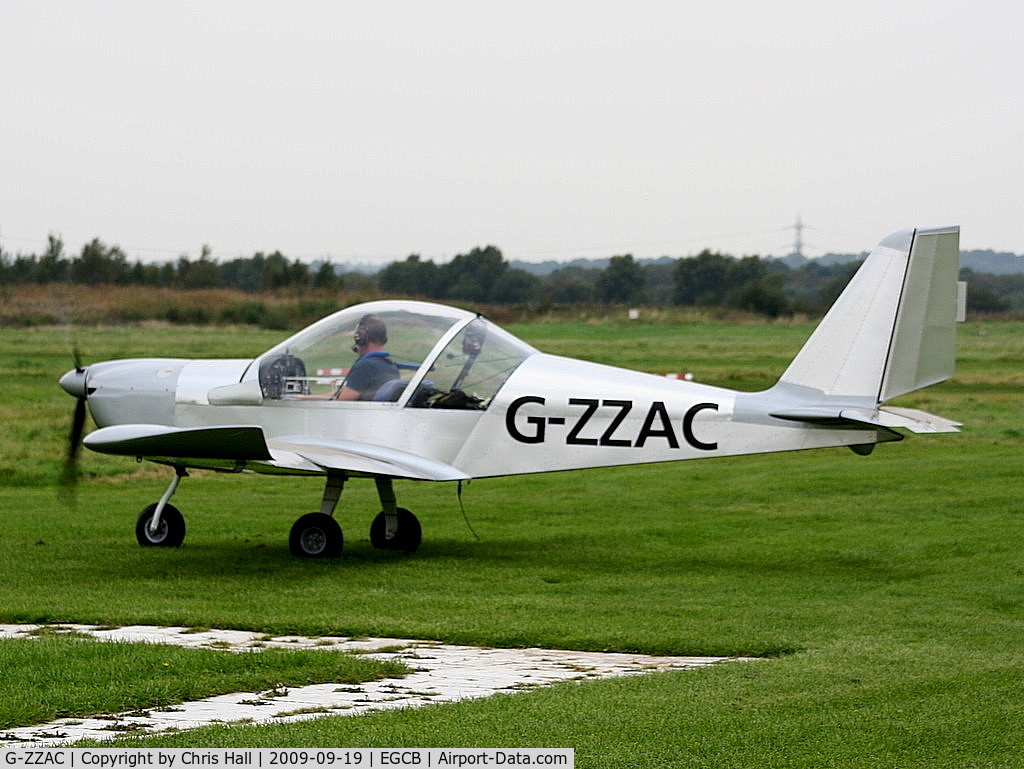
x: 887, y: 592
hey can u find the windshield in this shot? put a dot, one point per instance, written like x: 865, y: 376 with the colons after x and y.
x: 316, y: 361
x: 471, y: 368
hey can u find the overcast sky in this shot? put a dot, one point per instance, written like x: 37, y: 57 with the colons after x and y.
x: 368, y: 131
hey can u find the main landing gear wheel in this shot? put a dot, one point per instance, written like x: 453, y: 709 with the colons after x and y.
x: 170, y: 532
x: 407, y: 538
x: 316, y: 535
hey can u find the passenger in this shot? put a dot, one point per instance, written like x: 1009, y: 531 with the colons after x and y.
x: 374, y: 366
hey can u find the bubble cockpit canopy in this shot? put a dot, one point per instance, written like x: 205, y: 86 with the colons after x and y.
x: 446, y: 357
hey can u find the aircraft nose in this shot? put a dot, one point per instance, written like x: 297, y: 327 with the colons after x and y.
x: 73, y: 382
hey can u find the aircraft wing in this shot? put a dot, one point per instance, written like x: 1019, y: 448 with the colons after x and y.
x: 223, y: 447
x: 362, y: 458
x: 233, y: 442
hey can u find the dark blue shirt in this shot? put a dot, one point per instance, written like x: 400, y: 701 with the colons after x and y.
x: 370, y: 372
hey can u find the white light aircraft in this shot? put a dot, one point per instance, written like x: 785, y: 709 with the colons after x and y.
x: 442, y: 394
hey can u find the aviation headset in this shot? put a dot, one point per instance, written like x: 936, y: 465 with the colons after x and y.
x: 369, y: 329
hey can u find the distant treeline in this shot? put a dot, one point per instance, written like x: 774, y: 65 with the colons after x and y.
x: 711, y: 280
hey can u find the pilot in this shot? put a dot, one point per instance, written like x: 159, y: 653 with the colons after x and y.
x: 374, y: 366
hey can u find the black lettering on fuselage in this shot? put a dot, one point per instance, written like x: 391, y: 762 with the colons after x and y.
x: 657, y: 424
x: 657, y: 411
x: 591, y: 405
x: 574, y: 439
x: 688, y: 427
x: 624, y: 408
x: 538, y: 423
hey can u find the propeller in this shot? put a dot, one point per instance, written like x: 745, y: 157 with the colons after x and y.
x: 74, y: 383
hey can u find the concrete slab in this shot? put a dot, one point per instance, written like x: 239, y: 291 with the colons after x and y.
x: 442, y: 673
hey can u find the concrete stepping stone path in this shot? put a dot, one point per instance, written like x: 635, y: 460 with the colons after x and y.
x: 442, y: 673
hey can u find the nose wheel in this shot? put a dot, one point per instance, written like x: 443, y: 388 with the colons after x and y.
x: 168, y: 532
x: 162, y: 524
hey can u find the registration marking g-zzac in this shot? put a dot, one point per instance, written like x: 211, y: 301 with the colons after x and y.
x: 585, y: 430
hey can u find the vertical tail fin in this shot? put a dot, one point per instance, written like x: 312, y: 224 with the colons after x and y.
x: 893, y: 329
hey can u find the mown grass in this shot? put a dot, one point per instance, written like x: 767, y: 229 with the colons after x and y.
x: 887, y: 591
x: 786, y: 713
x: 58, y: 676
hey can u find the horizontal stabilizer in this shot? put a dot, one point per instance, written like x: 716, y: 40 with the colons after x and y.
x: 888, y: 418
x: 917, y: 421
x: 235, y: 442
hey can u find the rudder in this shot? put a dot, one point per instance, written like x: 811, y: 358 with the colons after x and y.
x: 923, y: 349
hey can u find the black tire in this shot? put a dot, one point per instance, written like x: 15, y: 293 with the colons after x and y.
x: 316, y: 535
x: 170, y: 533
x: 407, y: 538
